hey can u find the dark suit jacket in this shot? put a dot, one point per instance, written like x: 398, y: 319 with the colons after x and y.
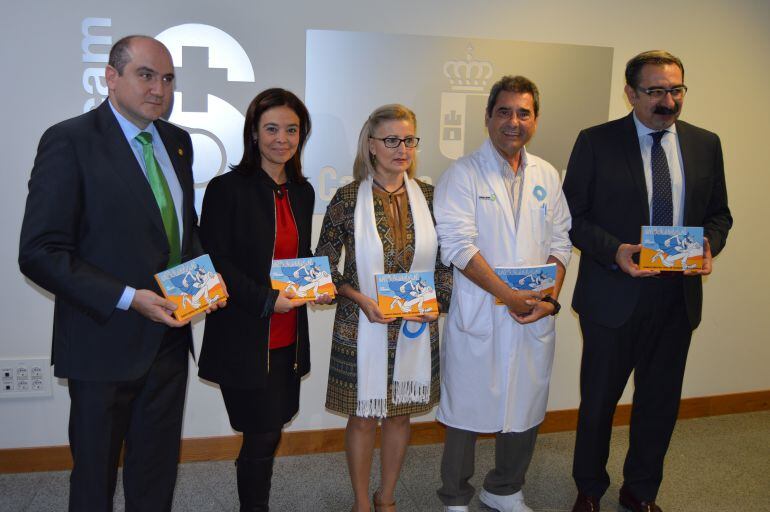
x: 238, y: 232
x: 91, y: 227
x: 607, y: 196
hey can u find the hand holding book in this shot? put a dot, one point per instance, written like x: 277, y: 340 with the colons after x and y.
x: 624, y: 259
x: 540, y: 309
x: 156, y: 308
x: 284, y: 302
x: 372, y: 310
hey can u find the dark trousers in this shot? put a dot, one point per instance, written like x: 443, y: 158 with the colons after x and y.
x: 261, y: 414
x: 654, y: 344
x: 145, y: 413
x: 513, y: 453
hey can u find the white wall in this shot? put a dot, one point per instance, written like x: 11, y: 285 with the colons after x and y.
x: 724, y: 50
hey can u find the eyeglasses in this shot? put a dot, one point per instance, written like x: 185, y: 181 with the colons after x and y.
x: 658, y: 92
x: 394, y: 142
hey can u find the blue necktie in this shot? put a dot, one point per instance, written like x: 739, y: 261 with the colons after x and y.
x: 662, y: 202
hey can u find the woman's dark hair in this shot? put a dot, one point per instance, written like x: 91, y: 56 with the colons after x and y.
x: 267, y: 99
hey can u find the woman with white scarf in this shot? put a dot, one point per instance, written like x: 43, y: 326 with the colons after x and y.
x: 382, y: 369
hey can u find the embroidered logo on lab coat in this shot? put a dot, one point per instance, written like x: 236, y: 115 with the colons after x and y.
x: 539, y: 192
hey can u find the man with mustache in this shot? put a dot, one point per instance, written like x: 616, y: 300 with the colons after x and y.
x: 500, y: 206
x: 647, y: 168
x: 110, y: 204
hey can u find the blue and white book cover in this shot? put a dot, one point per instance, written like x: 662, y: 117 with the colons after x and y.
x: 406, y: 294
x: 537, y: 278
x: 193, y: 286
x: 671, y: 248
x: 308, y: 278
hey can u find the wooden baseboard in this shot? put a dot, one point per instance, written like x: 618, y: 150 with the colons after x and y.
x: 56, y: 458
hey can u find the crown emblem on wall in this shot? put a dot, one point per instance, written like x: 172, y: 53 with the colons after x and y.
x: 468, y: 74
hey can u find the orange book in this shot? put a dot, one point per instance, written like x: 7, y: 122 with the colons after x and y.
x: 308, y: 278
x: 406, y: 294
x: 193, y: 286
x: 671, y: 248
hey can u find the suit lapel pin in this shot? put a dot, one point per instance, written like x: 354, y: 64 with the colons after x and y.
x: 181, y: 153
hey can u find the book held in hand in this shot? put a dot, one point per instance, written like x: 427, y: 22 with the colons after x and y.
x: 406, y: 294
x: 536, y: 278
x: 671, y: 248
x: 193, y: 286
x: 308, y: 278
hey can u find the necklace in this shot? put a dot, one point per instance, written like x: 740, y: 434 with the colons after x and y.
x: 390, y: 194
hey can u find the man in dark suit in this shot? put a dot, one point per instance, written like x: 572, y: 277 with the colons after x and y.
x: 110, y: 204
x: 644, y: 169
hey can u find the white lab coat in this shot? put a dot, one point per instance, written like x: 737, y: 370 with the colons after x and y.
x: 495, y: 372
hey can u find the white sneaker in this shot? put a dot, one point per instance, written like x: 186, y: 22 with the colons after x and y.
x: 456, y: 508
x: 512, y: 503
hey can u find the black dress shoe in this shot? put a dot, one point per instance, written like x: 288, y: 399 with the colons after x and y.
x: 630, y: 503
x: 585, y: 503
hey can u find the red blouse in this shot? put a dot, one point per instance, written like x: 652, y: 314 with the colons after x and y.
x: 283, y: 326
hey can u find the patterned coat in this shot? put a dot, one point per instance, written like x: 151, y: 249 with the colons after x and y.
x: 337, y: 233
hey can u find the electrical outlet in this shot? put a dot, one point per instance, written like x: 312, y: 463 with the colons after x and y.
x: 24, y: 378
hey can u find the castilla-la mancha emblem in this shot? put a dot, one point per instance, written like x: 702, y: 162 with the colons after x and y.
x: 466, y: 78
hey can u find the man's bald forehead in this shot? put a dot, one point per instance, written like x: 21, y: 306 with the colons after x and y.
x: 123, y: 51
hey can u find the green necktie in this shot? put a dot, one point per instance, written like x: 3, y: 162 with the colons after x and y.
x: 163, y: 197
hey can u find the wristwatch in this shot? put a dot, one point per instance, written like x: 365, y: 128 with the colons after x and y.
x: 556, y: 305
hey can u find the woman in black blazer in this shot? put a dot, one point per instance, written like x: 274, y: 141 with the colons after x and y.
x: 257, y: 348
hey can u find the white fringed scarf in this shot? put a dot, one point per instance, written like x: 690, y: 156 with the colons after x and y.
x: 411, y: 374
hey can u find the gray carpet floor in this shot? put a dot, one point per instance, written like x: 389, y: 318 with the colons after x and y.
x: 720, y: 463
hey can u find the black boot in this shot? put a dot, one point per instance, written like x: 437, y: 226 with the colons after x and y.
x: 254, y: 476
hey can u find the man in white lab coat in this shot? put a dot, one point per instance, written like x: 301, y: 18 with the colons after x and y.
x: 498, y: 207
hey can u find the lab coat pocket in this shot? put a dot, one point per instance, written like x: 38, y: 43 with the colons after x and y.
x: 544, y: 330
x: 474, y: 318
